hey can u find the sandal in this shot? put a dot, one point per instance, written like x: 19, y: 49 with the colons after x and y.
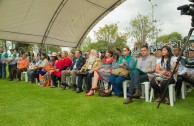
x: 157, y: 100
x: 166, y: 100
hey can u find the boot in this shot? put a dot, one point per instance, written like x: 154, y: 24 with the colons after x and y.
x: 137, y: 93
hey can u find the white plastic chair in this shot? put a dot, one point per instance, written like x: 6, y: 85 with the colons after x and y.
x: 26, y: 76
x: 172, y: 96
x: 125, y: 85
x: 145, y: 86
x: 183, y: 90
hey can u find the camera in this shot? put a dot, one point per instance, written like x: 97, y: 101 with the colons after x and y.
x: 188, y: 9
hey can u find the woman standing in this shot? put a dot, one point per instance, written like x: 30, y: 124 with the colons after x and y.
x: 164, y: 68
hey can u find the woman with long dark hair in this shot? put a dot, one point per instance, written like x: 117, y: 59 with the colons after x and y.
x: 164, y: 68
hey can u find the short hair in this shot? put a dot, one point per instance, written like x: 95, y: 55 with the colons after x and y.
x: 80, y: 52
x: 118, y: 49
x: 178, y: 48
x: 145, y: 46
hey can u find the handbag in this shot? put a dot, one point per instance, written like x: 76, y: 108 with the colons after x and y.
x: 120, y: 72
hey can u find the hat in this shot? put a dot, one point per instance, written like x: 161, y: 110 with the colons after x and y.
x: 54, y: 54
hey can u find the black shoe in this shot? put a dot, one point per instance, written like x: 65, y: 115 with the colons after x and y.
x: 79, y: 90
x: 128, y: 100
x: 74, y: 87
x: 64, y: 86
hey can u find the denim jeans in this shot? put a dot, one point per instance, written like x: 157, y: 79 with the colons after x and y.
x: 136, y: 79
x: 117, y: 84
x: 3, y: 70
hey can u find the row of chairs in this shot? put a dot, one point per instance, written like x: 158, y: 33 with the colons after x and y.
x: 145, y: 87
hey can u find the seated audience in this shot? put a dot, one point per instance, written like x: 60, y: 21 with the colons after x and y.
x: 104, y: 73
x: 78, y: 62
x: 22, y: 65
x: 92, y: 63
x: 163, y: 71
x: 144, y: 70
x: 127, y: 62
x: 61, y: 65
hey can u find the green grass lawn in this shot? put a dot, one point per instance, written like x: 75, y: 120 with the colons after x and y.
x: 25, y: 104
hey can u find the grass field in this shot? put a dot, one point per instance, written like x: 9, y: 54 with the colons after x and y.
x: 25, y: 104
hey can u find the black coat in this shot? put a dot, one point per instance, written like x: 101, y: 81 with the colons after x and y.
x: 81, y: 61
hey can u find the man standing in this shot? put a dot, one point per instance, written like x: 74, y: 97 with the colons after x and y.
x: 144, y: 71
x: 78, y: 62
x: 11, y: 61
x: 3, y: 58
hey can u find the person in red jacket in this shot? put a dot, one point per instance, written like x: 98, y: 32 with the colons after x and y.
x: 62, y: 64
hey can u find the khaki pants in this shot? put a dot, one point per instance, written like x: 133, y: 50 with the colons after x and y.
x: 66, y: 73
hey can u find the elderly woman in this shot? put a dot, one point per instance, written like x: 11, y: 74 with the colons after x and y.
x: 104, y: 73
x: 127, y: 62
x: 62, y: 64
x: 92, y: 64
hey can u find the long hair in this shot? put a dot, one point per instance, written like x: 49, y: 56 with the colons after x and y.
x: 169, y: 57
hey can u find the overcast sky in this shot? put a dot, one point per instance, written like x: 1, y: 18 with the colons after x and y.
x: 166, y: 12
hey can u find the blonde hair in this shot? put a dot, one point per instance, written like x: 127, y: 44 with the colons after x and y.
x: 65, y: 53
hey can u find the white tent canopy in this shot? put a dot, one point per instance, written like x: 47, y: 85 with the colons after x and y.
x: 52, y: 22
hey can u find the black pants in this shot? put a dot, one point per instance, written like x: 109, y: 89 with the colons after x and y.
x: 54, y: 79
x: 10, y: 70
x: 88, y: 80
x: 180, y: 79
x: 160, y: 88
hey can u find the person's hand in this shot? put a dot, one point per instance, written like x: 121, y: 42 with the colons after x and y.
x: 102, y: 70
x: 90, y: 71
x: 188, y: 74
x: 79, y: 71
x: 122, y: 65
x: 163, y: 72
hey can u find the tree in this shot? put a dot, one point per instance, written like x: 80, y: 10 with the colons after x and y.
x: 174, y: 36
x: 86, y: 43
x: 22, y: 46
x: 109, y: 36
x: 142, y: 29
